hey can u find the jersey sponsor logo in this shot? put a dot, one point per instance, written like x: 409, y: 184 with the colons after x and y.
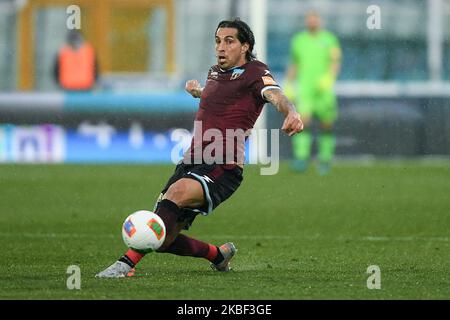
x: 268, y: 81
x: 236, y: 73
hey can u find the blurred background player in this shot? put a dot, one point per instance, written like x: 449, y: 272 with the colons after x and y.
x: 76, y: 67
x: 315, y: 64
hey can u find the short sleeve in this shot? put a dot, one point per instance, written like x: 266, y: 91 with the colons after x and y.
x: 261, y: 79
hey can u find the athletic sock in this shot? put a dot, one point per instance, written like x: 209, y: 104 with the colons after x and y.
x: 219, y: 258
x: 327, y: 145
x: 186, y: 246
x: 302, y: 145
x: 131, y: 258
x: 169, y: 213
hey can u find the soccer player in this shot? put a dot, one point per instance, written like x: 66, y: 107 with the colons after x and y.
x: 235, y: 92
x: 315, y: 62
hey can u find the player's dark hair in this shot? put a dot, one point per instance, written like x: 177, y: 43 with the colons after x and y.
x: 244, y: 34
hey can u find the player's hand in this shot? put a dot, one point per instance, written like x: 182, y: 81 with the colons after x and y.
x: 193, y: 87
x: 292, y: 123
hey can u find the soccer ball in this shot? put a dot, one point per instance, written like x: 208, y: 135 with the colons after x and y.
x: 143, y: 231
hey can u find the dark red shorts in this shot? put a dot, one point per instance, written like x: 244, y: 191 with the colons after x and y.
x: 218, y: 181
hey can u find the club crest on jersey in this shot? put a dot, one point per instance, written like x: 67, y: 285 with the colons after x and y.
x: 236, y: 73
x: 214, y: 74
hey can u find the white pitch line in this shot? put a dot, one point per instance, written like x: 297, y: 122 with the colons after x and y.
x: 406, y: 238
x: 55, y: 235
x: 239, y: 237
x: 326, y: 238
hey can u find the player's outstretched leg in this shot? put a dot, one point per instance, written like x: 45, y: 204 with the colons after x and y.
x: 187, y: 246
x: 176, y: 243
x: 186, y: 193
x: 168, y: 211
x: 125, y: 265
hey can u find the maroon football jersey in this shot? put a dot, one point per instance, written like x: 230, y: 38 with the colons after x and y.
x: 230, y: 104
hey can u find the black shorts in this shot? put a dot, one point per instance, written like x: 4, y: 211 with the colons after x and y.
x: 218, y: 181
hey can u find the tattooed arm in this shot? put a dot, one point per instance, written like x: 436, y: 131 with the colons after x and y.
x: 292, y: 123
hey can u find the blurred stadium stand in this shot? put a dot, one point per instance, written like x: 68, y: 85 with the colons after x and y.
x: 393, y: 90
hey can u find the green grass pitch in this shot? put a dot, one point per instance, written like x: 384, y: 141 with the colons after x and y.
x: 299, y: 236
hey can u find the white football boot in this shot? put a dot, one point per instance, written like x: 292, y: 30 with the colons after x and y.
x: 228, y: 250
x: 118, y: 269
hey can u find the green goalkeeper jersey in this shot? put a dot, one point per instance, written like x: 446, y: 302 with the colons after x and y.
x: 312, y: 55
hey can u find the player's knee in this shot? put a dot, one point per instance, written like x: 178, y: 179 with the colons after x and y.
x: 185, y: 193
x: 177, y: 193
